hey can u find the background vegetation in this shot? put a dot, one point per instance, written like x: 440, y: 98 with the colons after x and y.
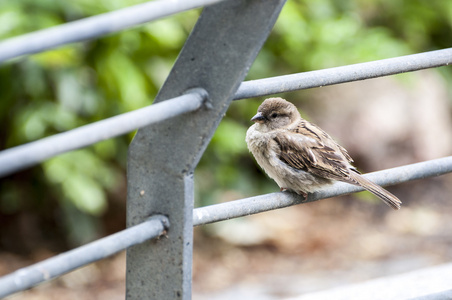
x: 79, y: 196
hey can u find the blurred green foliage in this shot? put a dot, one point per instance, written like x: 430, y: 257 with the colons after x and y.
x: 61, y: 89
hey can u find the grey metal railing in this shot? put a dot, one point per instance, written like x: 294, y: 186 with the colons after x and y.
x: 94, y: 27
x: 28, y: 277
x: 18, y: 158
x: 207, y: 76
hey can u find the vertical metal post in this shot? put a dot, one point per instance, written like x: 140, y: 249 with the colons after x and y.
x: 162, y: 157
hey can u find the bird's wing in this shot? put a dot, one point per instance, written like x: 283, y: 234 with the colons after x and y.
x: 309, y: 148
x: 310, y: 128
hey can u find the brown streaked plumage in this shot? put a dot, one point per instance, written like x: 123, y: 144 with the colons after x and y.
x: 299, y: 155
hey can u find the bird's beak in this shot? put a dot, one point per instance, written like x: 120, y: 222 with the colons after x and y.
x: 258, y: 118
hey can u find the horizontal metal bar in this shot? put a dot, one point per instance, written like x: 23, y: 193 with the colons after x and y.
x: 446, y: 294
x: 50, y: 268
x: 262, y: 203
x: 95, y: 26
x: 20, y: 157
x: 361, y: 71
x: 432, y: 283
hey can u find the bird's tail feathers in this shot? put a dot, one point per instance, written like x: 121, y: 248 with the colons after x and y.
x: 377, y: 190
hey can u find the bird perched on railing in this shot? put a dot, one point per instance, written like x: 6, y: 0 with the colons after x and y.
x: 300, y: 156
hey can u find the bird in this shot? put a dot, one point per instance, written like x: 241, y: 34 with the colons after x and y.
x: 299, y: 156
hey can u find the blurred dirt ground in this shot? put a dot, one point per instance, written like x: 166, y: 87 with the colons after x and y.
x: 330, y: 243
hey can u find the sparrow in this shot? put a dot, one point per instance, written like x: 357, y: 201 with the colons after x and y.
x: 301, y: 157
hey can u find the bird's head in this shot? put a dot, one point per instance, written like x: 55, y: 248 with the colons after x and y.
x: 275, y: 113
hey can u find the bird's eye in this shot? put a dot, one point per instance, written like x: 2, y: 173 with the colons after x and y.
x: 274, y: 115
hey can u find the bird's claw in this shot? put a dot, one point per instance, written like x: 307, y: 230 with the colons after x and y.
x: 304, y: 194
